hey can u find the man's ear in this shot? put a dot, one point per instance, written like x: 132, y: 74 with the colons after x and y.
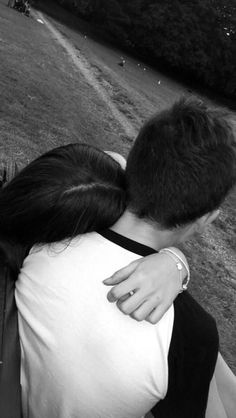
x: 206, y: 220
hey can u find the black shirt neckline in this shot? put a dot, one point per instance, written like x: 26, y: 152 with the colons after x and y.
x: 127, y: 243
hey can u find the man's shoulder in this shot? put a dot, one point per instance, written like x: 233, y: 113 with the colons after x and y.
x: 195, y: 322
x: 192, y: 357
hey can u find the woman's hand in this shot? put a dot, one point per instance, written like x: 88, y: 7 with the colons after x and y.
x: 147, y: 287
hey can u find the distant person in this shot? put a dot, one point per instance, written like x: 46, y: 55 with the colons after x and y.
x: 27, y: 8
x: 122, y: 62
x: 67, y: 191
x: 80, y: 356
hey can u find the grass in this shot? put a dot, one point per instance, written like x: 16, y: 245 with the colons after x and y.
x: 45, y: 103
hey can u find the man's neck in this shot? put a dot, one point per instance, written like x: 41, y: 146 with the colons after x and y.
x: 144, y: 232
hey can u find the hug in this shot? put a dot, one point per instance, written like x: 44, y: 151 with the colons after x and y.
x: 68, y: 221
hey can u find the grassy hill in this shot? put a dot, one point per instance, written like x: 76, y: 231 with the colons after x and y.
x: 46, y: 102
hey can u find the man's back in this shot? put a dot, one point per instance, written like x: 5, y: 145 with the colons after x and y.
x: 83, y: 356
x: 192, y: 358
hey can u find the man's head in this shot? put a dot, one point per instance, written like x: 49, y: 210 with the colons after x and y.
x: 182, y: 165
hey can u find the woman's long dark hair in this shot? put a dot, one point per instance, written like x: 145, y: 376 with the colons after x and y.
x: 68, y: 191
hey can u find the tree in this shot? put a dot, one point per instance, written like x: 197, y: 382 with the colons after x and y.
x: 196, y: 37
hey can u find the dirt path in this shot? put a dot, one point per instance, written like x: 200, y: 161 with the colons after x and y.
x: 86, y: 70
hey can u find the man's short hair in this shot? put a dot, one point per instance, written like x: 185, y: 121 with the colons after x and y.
x: 182, y: 164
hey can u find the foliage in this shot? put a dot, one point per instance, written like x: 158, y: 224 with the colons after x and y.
x: 194, y: 37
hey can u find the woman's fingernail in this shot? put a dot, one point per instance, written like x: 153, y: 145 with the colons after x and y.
x: 110, y: 297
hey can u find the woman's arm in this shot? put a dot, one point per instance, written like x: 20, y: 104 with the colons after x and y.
x: 155, y: 281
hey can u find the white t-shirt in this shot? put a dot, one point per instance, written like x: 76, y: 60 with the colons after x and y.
x: 82, y: 357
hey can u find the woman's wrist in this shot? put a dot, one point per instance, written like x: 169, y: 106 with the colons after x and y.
x: 181, y: 265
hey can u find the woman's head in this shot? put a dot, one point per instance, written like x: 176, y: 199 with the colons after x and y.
x: 68, y: 191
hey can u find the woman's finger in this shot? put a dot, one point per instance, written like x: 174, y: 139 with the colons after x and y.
x: 123, y: 298
x: 157, y: 313
x: 131, y: 303
x: 144, y: 310
x: 120, y: 290
x: 122, y: 274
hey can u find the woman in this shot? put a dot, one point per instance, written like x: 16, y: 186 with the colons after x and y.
x: 60, y: 195
x: 64, y: 193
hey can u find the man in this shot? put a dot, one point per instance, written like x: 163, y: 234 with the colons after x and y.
x: 27, y: 8
x: 179, y: 170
